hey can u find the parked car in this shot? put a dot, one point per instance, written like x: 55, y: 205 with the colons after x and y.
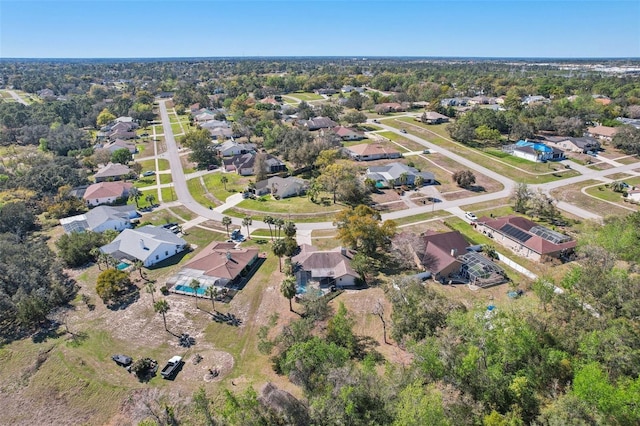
x: 148, y: 173
x: 171, y: 368
x: 122, y: 360
x: 403, y: 131
x: 472, y: 217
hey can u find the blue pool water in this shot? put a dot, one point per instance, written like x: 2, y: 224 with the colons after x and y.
x: 188, y: 289
x: 301, y: 288
x: 122, y: 266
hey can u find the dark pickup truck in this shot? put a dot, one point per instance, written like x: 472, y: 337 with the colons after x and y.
x: 169, y: 370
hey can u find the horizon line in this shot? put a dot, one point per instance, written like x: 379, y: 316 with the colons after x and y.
x: 352, y: 57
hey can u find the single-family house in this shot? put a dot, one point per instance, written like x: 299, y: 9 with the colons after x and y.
x: 535, y: 151
x: 112, y: 171
x: 347, y: 134
x: 281, y: 187
x: 325, y: 91
x: 243, y: 164
x: 221, y: 133
x: 372, y: 151
x: 386, y: 107
x: 204, y: 116
x: 602, y: 132
x: 571, y: 144
x: 219, y: 264
x: 534, y: 99
x: 432, y: 117
x: 214, y: 124
x: 325, y: 268
x: 101, y: 218
x: 450, y: 258
x: 395, y: 174
x: 148, y: 244
x: 525, y: 237
x: 318, y: 123
x: 126, y: 120
x: 106, y: 192
x: 231, y: 148
x: 120, y: 144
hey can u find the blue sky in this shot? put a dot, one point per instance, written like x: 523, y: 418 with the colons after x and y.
x: 209, y: 28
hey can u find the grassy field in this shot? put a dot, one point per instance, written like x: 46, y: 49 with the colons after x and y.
x: 409, y: 220
x: 183, y: 213
x: 165, y: 178
x: 198, y: 192
x: 235, y: 184
x: 514, y: 168
x: 288, y: 205
x: 305, y: 96
x: 572, y: 194
x: 145, y: 181
x: 168, y: 195
x: 233, y: 212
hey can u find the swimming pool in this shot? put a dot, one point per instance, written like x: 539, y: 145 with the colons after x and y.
x: 122, y: 266
x: 301, y: 288
x: 187, y: 289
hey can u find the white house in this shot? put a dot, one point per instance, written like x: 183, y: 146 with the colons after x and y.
x: 117, y: 218
x: 231, y: 148
x: 149, y: 244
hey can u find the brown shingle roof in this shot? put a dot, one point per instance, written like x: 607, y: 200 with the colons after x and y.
x: 106, y: 190
x: 222, y: 260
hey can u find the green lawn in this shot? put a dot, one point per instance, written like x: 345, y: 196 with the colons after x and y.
x: 184, y: 213
x: 145, y: 181
x: 163, y: 164
x: 176, y: 129
x: 288, y: 205
x: 604, y: 193
x: 232, y: 212
x: 305, y: 96
x: 157, y: 129
x: 198, y: 192
x: 165, y: 178
x: 147, y: 164
x: 420, y: 217
x: 235, y: 184
x: 168, y: 195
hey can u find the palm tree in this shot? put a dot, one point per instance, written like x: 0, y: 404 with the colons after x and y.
x: 226, y: 221
x: 419, y: 181
x: 162, y: 307
x: 247, y: 222
x: 279, y: 223
x: 135, y: 194
x: 150, y: 198
x: 97, y: 255
x: 224, y: 180
x: 269, y: 221
x: 290, y: 229
x: 212, y: 292
x: 195, y: 285
x: 151, y: 288
x: 138, y: 265
x: 279, y: 248
x: 404, y: 177
x: 288, y: 289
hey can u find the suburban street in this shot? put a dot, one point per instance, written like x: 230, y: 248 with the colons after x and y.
x: 452, y: 206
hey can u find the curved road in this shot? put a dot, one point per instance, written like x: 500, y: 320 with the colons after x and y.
x: 184, y: 197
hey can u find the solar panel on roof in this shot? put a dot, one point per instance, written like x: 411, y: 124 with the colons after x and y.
x: 549, y: 235
x: 515, y: 233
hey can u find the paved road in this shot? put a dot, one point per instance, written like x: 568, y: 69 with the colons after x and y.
x: 183, y: 195
x: 17, y: 97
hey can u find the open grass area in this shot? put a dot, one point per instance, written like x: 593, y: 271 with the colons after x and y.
x: 147, y: 164
x: 291, y: 205
x: 604, y: 193
x: 168, y: 194
x: 234, y: 212
x: 514, y: 168
x: 145, y: 150
x: 408, y: 220
x: 183, y: 213
x: 145, y: 181
x: 198, y: 192
x: 236, y: 183
x: 572, y: 194
x: 176, y: 128
x: 305, y: 96
x: 165, y: 178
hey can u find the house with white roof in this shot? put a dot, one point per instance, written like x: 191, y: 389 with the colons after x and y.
x: 148, y: 244
x: 101, y: 218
